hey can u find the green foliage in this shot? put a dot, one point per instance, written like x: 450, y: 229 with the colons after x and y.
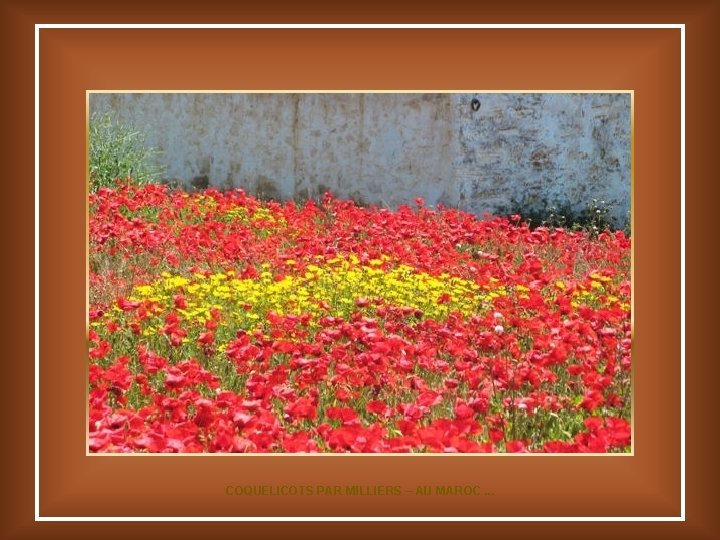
x: 118, y: 151
x: 596, y: 217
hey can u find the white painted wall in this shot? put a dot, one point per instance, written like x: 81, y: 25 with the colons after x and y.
x: 390, y: 148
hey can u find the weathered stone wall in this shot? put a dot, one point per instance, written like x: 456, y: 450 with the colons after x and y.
x: 388, y: 148
x: 543, y: 150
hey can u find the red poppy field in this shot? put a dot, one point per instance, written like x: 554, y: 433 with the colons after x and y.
x: 220, y: 323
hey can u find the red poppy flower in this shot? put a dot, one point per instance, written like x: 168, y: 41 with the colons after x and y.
x: 346, y: 415
x: 515, y: 446
x: 462, y: 411
x: 206, y: 338
x: 302, y: 408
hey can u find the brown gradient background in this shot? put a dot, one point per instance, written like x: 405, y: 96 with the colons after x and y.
x: 73, y: 61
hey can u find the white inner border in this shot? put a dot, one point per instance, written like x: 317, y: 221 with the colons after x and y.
x: 38, y: 517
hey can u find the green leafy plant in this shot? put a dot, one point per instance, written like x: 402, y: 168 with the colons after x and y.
x: 596, y: 217
x: 118, y: 151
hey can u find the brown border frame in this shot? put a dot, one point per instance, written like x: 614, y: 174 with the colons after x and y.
x: 65, y: 55
x: 656, y: 211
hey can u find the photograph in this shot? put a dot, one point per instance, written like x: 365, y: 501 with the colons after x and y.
x: 375, y: 272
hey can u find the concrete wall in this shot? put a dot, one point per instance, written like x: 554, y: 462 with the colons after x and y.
x: 544, y: 149
x: 537, y: 149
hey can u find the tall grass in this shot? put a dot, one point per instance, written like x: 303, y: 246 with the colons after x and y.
x: 118, y: 150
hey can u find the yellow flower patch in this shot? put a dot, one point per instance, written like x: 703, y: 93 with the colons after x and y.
x: 343, y: 284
